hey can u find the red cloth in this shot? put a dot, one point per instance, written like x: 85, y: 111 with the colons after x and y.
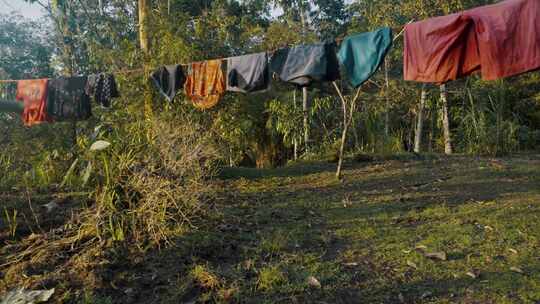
x: 33, y: 93
x: 500, y: 40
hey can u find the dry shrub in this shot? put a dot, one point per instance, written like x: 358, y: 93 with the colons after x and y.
x: 151, y: 184
x: 164, y: 189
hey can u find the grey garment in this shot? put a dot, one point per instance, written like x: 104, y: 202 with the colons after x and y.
x: 169, y: 80
x: 249, y: 73
x: 302, y: 65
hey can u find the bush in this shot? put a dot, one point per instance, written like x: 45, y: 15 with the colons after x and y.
x: 153, y: 191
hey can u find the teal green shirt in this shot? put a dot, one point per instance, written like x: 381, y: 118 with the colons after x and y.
x: 362, y: 54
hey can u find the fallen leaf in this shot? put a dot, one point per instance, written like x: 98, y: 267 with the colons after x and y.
x: 488, y: 228
x: 411, y: 264
x: 420, y: 247
x: 513, y: 251
x: 517, y: 269
x: 22, y: 295
x: 436, y: 256
x: 100, y: 145
x: 426, y: 294
x: 313, y: 282
x: 51, y: 206
x: 472, y: 275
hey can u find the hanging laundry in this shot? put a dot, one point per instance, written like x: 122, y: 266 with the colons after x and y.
x: 67, y: 99
x: 169, y: 80
x: 102, y: 87
x: 362, y: 54
x: 33, y: 94
x: 305, y: 64
x: 249, y: 73
x: 205, y: 84
x: 499, y: 40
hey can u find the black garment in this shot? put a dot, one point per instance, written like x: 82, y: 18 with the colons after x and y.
x: 249, y: 73
x: 302, y: 65
x: 169, y: 80
x: 67, y: 99
x: 103, y: 88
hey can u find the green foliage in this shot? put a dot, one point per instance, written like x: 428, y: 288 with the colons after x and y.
x: 23, y: 48
x: 286, y: 119
x: 485, y: 126
x: 11, y: 220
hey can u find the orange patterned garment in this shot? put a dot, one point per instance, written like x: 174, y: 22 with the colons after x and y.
x: 205, y: 84
x: 33, y: 93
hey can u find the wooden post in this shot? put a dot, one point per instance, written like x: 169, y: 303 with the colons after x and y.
x: 420, y: 122
x: 306, y: 117
x: 446, y: 121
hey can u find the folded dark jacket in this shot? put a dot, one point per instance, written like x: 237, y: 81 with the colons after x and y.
x: 305, y: 64
x: 169, y: 80
x: 67, y: 99
x: 249, y: 73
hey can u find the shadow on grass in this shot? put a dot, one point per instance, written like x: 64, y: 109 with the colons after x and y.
x: 293, y: 170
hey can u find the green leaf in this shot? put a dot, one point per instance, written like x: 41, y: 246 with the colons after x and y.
x: 87, y: 173
x: 69, y: 173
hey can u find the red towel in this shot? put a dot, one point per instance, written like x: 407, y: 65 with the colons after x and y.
x: 500, y: 40
x: 33, y: 93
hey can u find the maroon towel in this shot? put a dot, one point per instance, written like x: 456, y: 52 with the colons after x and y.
x: 500, y: 40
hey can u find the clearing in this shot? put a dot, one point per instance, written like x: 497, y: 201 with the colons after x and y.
x: 431, y: 230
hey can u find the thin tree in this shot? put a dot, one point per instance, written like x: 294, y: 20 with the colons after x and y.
x: 446, y: 121
x: 349, y: 107
x: 420, y: 121
x: 144, y: 40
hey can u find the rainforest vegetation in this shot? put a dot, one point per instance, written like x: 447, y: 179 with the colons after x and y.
x: 152, y: 201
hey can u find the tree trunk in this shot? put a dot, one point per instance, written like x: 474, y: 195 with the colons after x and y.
x: 432, y: 119
x: 68, y: 54
x: 347, y: 120
x: 295, y: 140
x: 268, y: 151
x: 144, y: 8
x: 306, y: 117
x: 343, y: 141
x: 387, y: 88
x: 420, y: 122
x: 144, y: 40
x: 446, y: 121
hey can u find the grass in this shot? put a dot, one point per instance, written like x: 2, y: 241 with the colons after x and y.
x: 364, y: 239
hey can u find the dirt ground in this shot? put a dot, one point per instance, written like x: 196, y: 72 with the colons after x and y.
x: 400, y: 230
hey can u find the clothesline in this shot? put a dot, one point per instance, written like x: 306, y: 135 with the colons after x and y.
x: 141, y: 70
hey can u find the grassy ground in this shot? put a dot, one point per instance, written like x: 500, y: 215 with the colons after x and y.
x: 456, y: 230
